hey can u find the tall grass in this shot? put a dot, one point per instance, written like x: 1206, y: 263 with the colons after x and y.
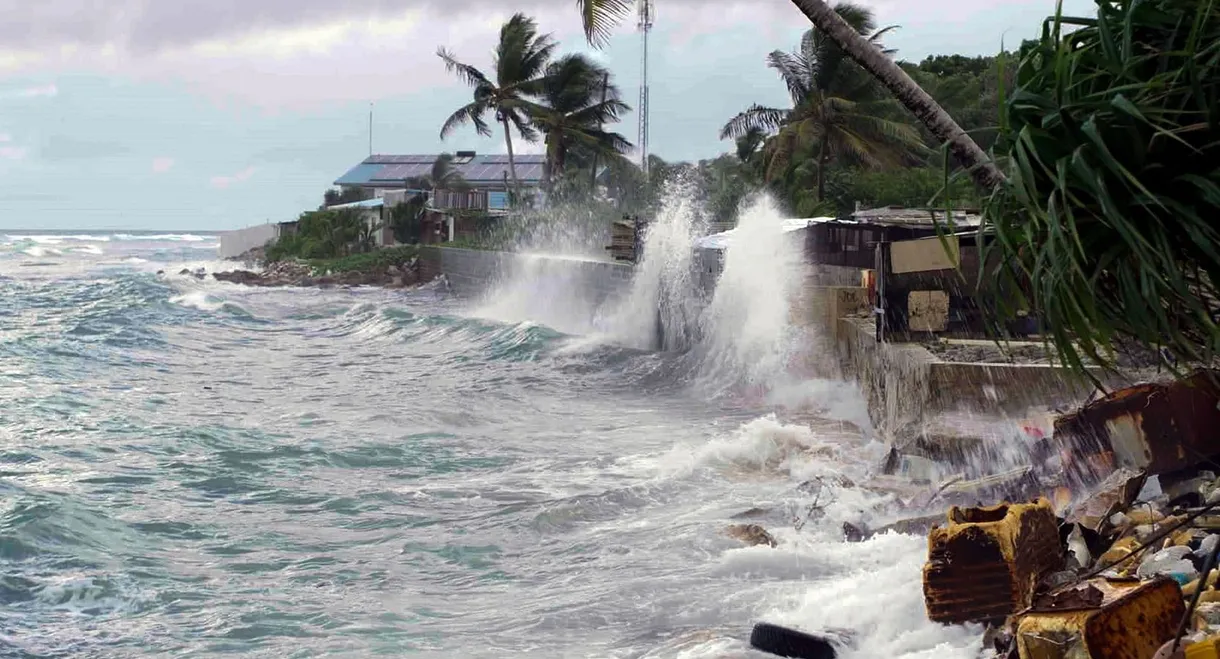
x: 1109, y: 222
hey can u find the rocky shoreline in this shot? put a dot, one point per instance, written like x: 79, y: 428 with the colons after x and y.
x: 299, y: 273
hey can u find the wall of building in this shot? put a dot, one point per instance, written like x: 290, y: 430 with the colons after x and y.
x: 235, y: 243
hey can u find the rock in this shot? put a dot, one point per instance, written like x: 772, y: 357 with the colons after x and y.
x: 853, y: 533
x: 239, y: 277
x: 392, y: 270
x: 184, y: 271
x: 752, y: 513
x: 751, y: 534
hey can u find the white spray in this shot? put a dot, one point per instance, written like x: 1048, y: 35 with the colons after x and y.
x: 747, y: 333
x: 661, y: 309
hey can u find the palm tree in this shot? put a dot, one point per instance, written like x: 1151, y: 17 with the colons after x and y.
x: 442, y: 176
x: 835, y: 105
x: 574, y: 103
x: 600, y: 17
x: 520, y: 59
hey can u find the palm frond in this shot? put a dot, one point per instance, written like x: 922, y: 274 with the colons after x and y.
x: 467, y: 73
x: 794, y: 71
x: 608, y: 112
x: 469, y: 113
x: 600, y: 17
x: 756, y: 117
x: 1106, y: 222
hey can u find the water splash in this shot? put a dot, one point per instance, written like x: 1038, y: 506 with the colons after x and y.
x: 747, y: 337
x: 661, y: 310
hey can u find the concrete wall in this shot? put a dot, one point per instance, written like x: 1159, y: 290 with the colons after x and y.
x: 472, y: 272
x: 236, y: 243
x: 906, y: 386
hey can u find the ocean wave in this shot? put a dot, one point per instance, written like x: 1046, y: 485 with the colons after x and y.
x: 41, y: 252
x: 162, y: 237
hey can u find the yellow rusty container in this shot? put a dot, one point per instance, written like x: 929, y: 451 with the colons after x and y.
x: 1208, y: 648
x: 984, y: 565
x: 1102, y: 619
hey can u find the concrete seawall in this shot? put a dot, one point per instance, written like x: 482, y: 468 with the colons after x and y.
x: 473, y: 272
x: 236, y: 243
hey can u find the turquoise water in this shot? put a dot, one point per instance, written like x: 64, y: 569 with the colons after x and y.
x: 196, y: 469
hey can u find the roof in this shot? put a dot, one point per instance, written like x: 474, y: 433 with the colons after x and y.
x: 897, y: 216
x: 390, y: 170
x: 722, y: 240
x: 367, y: 203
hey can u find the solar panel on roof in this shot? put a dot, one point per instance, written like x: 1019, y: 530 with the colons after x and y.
x: 401, y: 159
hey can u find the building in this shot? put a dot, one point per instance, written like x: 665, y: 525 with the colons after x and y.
x: 373, y: 213
x: 450, y: 213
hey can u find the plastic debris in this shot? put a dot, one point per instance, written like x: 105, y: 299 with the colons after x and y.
x: 1169, y: 562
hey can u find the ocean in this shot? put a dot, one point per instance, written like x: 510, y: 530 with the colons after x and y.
x: 192, y: 468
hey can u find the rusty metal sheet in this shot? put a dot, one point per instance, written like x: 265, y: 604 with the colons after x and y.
x: 1102, y: 619
x: 1158, y: 428
x: 984, y: 565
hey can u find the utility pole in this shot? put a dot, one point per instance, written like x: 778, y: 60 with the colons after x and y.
x: 645, y: 26
x: 370, y: 129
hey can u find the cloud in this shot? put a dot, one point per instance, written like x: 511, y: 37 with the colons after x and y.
x: 162, y: 165
x: 295, y: 54
x: 223, y: 182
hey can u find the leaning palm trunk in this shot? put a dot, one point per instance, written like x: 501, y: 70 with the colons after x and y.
x: 857, y: 46
x: 512, y: 162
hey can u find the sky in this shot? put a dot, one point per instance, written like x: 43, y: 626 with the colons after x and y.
x: 217, y: 114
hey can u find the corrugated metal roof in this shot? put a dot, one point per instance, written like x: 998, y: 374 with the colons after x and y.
x: 390, y: 170
x: 897, y: 216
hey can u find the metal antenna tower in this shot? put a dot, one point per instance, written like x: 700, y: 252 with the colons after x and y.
x: 645, y: 26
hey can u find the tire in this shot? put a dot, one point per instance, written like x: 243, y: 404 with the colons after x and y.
x: 785, y: 642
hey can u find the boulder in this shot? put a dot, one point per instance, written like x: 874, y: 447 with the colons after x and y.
x: 239, y: 277
x: 751, y: 534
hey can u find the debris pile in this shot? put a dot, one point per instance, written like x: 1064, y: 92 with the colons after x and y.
x: 1105, y: 547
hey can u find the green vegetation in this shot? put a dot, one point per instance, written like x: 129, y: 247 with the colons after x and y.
x: 374, y: 261
x: 520, y: 61
x: 840, y: 116
x: 337, y: 196
x: 324, y: 234
x: 407, y: 220
x: 568, y: 100
x: 1111, y: 145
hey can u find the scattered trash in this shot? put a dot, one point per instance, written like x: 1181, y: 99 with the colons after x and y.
x: 1158, y: 428
x: 1169, y: 562
x: 1112, y: 555
x: 1115, y: 494
x: 786, y: 642
x: 983, y: 566
x: 1102, y: 619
